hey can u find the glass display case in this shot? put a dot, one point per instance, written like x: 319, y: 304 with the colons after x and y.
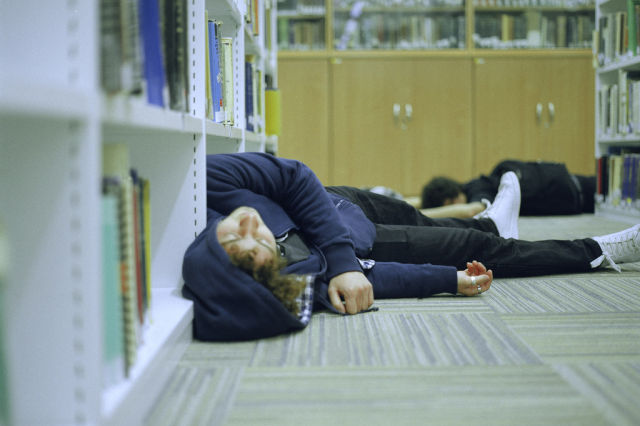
x: 395, y: 24
x: 350, y: 25
x: 534, y: 24
x: 301, y: 24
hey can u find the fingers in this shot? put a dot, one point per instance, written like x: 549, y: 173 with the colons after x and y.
x: 336, y: 301
x: 472, y: 284
x: 354, y: 288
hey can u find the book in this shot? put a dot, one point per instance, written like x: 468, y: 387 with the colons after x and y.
x: 112, y: 313
x: 214, y: 71
x: 5, y: 407
x: 248, y: 93
x: 273, y: 111
x: 120, y: 52
x: 207, y: 70
x: 154, y: 73
x: 176, y: 60
x: 228, y: 89
x: 146, y: 239
x: 115, y: 163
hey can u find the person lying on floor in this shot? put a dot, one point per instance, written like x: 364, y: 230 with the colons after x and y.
x: 547, y: 189
x: 278, y: 245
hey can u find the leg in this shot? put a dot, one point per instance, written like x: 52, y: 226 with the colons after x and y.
x: 506, y: 257
x: 483, y: 187
x: 386, y: 210
x: 588, y: 188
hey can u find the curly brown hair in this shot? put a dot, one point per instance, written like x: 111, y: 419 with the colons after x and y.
x: 285, y: 287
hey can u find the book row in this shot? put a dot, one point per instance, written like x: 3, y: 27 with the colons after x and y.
x: 317, y: 7
x: 618, y: 105
x: 560, y: 4
x: 533, y: 29
x: 143, y: 50
x: 395, y: 5
x: 305, y: 34
x: 618, y: 182
x: 617, y: 34
x: 126, y: 262
x: 403, y: 31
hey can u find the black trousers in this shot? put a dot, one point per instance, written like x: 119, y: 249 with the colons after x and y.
x: 405, y: 235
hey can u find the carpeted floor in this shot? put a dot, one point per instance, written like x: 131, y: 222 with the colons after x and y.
x: 556, y: 350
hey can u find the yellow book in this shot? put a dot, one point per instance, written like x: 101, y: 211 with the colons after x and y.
x: 272, y: 112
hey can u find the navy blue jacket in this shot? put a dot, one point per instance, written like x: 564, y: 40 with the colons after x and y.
x: 229, y: 304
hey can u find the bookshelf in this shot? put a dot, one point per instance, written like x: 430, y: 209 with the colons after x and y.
x: 617, y: 124
x: 56, y: 118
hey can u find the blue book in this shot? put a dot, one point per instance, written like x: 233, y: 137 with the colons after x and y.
x: 216, y: 76
x: 248, y: 95
x: 152, y: 52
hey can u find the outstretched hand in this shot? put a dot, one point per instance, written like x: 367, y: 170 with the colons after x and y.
x: 356, y: 290
x: 475, y: 279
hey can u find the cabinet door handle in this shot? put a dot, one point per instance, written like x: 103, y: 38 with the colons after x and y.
x: 396, y: 111
x: 408, y: 111
x: 539, y: 111
x: 552, y: 111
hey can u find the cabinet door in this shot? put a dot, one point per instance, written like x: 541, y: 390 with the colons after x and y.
x: 304, y: 86
x: 534, y: 109
x: 570, y: 112
x: 441, y: 142
x: 397, y: 122
x: 369, y: 145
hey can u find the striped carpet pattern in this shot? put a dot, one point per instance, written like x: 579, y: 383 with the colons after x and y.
x: 562, y: 349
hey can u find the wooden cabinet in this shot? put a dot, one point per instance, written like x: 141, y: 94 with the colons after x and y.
x: 534, y: 108
x: 399, y: 119
x: 397, y: 122
x: 304, y: 86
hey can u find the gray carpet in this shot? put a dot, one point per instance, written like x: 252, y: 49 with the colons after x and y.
x: 555, y: 350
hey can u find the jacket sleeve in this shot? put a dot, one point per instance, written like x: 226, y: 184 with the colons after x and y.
x: 253, y: 178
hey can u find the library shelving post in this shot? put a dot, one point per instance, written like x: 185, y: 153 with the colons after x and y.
x: 617, y: 109
x: 57, y: 120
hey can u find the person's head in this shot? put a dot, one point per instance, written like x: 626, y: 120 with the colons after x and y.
x: 442, y: 191
x: 252, y: 247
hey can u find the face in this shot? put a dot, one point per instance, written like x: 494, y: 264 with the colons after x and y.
x: 460, y: 199
x: 243, y: 231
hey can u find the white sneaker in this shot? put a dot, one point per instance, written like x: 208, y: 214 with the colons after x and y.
x: 505, y: 209
x: 621, y: 247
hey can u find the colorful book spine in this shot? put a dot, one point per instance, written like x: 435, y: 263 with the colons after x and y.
x: 248, y: 92
x: 214, y: 70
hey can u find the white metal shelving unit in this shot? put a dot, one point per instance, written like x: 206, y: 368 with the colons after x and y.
x: 54, y: 119
x: 609, y: 74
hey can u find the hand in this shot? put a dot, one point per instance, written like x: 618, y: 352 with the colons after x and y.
x: 356, y: 290
x: 484, y: 277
